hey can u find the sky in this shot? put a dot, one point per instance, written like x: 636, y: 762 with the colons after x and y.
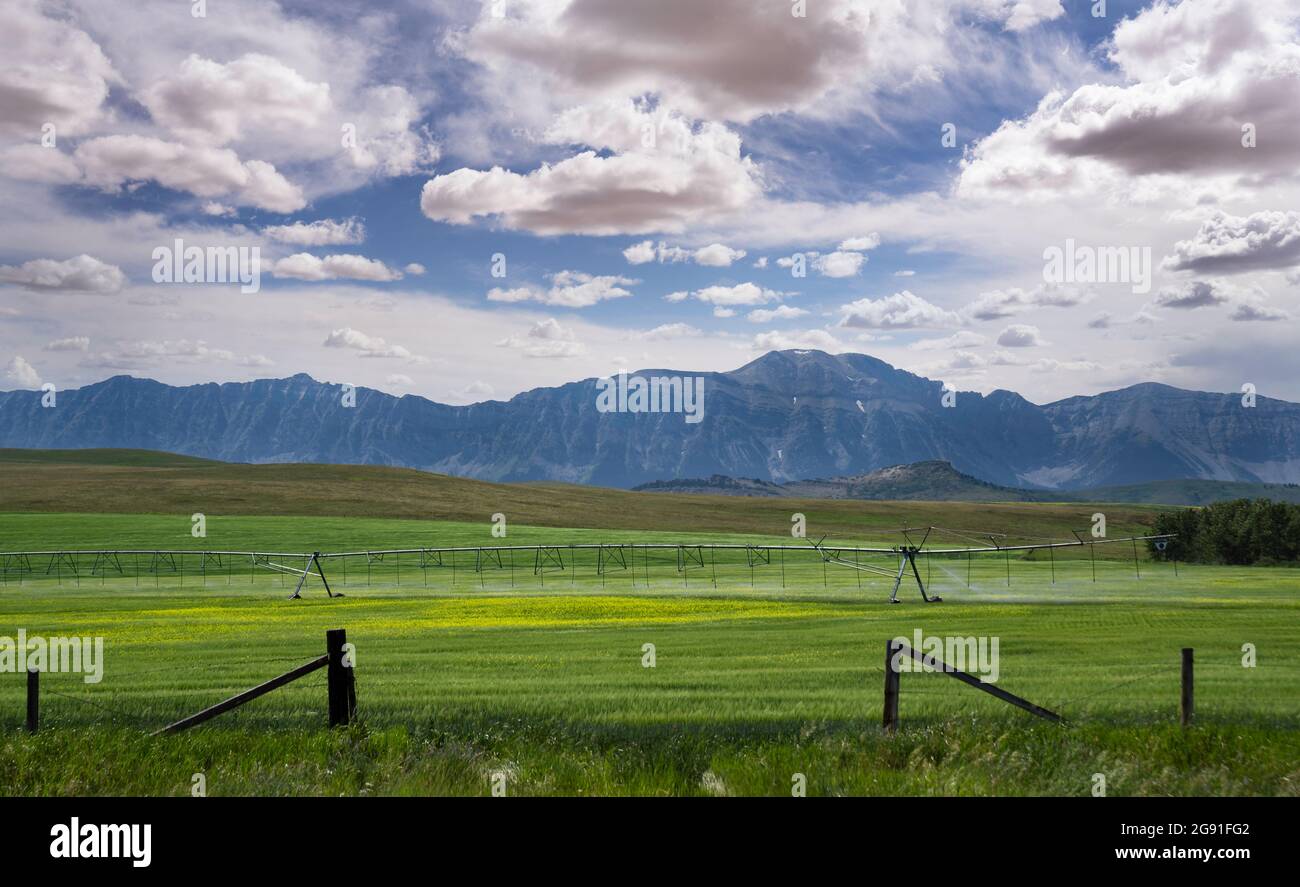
x: 464, y: 200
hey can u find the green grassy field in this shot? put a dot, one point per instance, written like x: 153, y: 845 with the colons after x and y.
x: 759, y: 675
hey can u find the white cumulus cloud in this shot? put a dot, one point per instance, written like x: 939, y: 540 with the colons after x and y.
x: 569, y: 289
x: 1020, y: 335
x: 110, y: 162
x: 780, y: 312
x: 305, y: 266
x: 904, y: 310
x: 1227, y: 244
x: 367, y: 346
x: 321, y: 232
x: 691, y: 174
x: 80, y: 274
x: 22, y: 373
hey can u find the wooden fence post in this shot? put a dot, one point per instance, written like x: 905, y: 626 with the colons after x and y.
x: 1186, y: 706
x: 33, y: 700
x: 891, y: 686
x: 342, y: 685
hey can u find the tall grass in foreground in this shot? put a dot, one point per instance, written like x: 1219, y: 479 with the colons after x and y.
x: 955, y: 757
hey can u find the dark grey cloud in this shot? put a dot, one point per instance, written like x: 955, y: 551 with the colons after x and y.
x: 1196, y: 294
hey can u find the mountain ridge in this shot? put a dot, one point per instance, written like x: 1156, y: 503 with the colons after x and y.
x: 785, y: 416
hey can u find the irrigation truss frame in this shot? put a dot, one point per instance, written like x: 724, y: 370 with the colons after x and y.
x: 610, y: 558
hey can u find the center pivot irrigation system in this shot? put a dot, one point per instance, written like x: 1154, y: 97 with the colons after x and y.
x: 986, y: 542
x: 546, y: 560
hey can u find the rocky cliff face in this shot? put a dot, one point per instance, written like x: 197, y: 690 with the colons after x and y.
x: 788, y: 415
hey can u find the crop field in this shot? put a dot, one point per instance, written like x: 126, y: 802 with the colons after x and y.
x: 540, y: 679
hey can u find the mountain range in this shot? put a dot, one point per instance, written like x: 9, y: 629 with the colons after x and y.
x: 786, y: 416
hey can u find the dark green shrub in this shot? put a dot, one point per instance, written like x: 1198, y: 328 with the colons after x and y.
x: 1243, y: 531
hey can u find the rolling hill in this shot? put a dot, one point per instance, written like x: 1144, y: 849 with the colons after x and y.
x: 159, y: 483
x: 926, y: 481
x: 939, y: 481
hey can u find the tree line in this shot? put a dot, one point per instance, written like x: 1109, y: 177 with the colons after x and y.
x: 1243, y: 531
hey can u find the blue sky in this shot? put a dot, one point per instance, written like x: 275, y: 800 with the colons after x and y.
x: 647, y: 170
